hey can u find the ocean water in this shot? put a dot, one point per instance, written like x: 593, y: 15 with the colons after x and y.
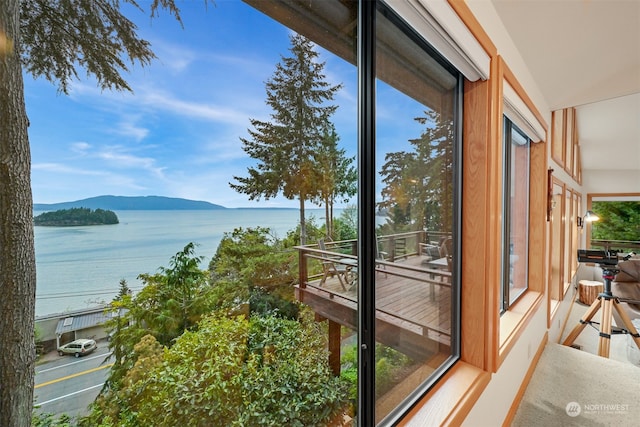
x: 79, y: 267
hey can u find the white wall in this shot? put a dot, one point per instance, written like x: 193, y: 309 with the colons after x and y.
x: 610, y: 181
x: 494, y: 404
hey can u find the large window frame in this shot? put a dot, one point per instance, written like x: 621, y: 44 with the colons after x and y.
x: 367, y: 209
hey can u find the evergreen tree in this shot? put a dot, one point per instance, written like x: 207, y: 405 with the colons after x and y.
x: 286, y: 145
x: 51, y: 40
x: 337, y: 176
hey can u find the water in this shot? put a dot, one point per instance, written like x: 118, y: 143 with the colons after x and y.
x: 79, y: 267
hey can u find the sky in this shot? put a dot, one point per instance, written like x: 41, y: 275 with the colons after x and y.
x: 178, y: 134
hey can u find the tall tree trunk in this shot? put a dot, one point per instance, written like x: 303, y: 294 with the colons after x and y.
x: 303, y: 223
x: 17, y: 255
x: 327, y: 219
x: 330, y: 203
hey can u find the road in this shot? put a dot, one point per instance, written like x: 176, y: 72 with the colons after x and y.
x: 68, y: 385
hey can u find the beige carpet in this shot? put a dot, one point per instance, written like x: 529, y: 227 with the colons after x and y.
x: 573, y: 387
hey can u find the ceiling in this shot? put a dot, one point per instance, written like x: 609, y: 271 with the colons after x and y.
x: 585, y: 54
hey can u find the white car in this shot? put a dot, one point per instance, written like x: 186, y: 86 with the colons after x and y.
x: 78, y: 347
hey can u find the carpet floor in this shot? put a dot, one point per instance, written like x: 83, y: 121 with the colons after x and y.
x: 572, y: 387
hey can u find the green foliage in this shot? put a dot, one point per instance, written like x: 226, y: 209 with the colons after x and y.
x: 50, y: 420
x: 123, y: 289
x: 119, y: 406
x: 171, y: 302
x: 263, y: 303
x: 76, y: 216
x: 345, y: 227
x: 337, y: 177
x: 174, y: 299
x: 618, y: 221
x: 253, y: 258
x: 349, y: 371
x: 230, y: 295
x: 314, y: 232
x: 390, y: 366
x: 265, y: 371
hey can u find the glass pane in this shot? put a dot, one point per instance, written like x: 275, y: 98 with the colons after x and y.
x: 518, y: 204
x: 415, y: 118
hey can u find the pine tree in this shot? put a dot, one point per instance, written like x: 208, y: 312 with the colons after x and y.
x: 338, y: 177
x: 286, y: 145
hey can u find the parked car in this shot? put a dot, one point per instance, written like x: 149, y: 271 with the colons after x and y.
x: 78, y: 347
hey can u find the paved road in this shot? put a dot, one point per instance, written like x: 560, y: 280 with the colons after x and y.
x: 65, y: 384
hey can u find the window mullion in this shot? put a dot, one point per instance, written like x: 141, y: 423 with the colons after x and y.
x: 366, y: 212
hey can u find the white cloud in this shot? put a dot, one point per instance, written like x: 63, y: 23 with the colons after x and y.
x: 216, y: 113
x: 80, y: 147
x: 127, y: 127
x: 177, y: 58
x: 116, y: 156
x: 65, y: 169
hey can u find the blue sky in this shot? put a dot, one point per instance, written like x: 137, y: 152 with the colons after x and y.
x: 178, y: 134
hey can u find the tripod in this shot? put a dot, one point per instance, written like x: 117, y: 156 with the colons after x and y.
x: 607, y: 302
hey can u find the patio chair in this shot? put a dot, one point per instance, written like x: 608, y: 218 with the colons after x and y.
x: 331, y: 268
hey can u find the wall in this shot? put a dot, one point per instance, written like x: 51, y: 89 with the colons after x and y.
x: 494, y: 405
x: 610, y: 181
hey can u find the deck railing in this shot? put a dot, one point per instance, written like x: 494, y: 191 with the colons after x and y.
x: 616, y: 244
x: 409, y: 268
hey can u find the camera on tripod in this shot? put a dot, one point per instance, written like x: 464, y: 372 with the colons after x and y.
x: 598, y: 257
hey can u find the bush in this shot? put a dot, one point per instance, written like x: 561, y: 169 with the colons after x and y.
x: 264, y: 371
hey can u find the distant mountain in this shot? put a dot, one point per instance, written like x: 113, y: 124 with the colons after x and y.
x: 124, y: 203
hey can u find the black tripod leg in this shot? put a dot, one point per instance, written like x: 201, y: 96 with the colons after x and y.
x: 584, y: 321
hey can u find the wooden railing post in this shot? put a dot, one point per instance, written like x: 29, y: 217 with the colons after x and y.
x: 302, y: 269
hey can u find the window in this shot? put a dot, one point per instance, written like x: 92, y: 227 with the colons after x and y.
x: 416, y: 158
x: 516, y: 214
x: 404, y: 282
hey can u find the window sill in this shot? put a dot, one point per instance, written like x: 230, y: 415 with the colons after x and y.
x: 513, y: 322
x: 451, y: 399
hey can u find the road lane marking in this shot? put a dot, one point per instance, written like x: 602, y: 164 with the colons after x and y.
x: 84, y: 359
x: 77, y: 374
x: 68, y: 395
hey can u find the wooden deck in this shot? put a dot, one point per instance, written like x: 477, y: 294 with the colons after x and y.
x: 413, y: 305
